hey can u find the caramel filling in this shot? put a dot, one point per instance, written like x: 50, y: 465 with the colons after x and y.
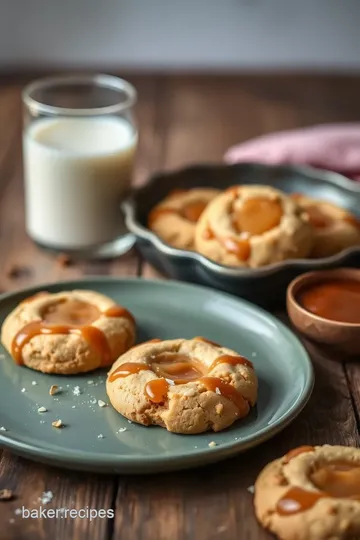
x: 257, y: 216
x: 339, y: 479
x: 70, y: 312
x: 182, y: 369
x: 69, y: 317
x: 298, y: 500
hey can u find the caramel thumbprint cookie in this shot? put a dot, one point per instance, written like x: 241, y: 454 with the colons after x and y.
x: 312, y: 493
x: 253, y: 226
x: 68, y: 332
x: 175, y: 218
x: 334, y: 228
x: 185, y: 386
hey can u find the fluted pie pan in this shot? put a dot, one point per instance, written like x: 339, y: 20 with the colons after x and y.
x: 261, y: 285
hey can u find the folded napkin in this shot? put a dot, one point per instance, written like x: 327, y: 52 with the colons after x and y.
x: 334, y: 147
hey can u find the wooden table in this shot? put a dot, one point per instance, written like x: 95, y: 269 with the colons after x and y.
x: 182, y: 119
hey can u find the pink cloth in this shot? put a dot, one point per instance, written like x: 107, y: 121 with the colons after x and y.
x: 334, y: 147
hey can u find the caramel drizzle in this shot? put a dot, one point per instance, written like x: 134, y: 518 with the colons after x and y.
x: 298, y: 500
x: 91, y: 334
x: 241, y: 248
x: 232, y: 360
x: 182, y: 372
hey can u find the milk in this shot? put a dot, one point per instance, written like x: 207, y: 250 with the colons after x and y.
x: 76, y: 172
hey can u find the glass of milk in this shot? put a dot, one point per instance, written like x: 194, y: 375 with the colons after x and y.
x: 79, y: 144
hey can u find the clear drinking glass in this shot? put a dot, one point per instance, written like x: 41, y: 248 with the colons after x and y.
x: 79, y: 143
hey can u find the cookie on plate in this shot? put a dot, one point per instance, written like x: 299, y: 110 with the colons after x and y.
x: 174, y: 218
x: 312, y: 493
x: 334, y: 228
x: 186, y: 386
x: 68, y: 332
x: 253, y: 226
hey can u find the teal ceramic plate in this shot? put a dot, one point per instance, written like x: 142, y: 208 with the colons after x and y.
x: 94, y: 438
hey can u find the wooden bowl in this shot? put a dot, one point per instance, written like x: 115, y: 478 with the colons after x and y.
x: 337, y: 338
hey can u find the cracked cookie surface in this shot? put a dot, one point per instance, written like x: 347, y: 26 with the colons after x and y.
x: 185, y: 386
x: 174, y: 218
x: 68, y: 332
x: 312, y: 493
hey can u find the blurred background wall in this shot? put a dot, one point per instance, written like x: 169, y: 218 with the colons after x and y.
x: 181, y: 34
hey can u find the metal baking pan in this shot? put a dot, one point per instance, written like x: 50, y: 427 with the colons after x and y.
x: 264, y: 285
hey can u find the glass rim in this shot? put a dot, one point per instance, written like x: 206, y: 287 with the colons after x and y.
x: 101, y: 80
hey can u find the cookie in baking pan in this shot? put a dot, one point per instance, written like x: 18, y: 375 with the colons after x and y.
x: 253, y: 226
x: 174, y: 218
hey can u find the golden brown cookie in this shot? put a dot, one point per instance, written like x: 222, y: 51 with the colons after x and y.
x: 174, y: 219
x: 186, y: 386
x: 68, y: 332
x: 253, y: 226
x: 334, y: 228
x: 312, y: 493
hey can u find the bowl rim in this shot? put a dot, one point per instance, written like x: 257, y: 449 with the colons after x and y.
x: 318, y: 276
x: 129, y: 208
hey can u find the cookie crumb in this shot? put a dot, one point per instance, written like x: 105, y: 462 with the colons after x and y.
x: 90, y: 382
x: 130, y: 422
x: 23, y: 390
x: 17, y: 511
x: 73, y: 407
x: 122, y: 429
x: 219, y: 408
x: 46, y: 497
x: 93, y: 401
x: 63, y: 260
x: 42, y: 409
x: 11, y: 520
x: 16, y: 271
x: 57, y: 424
x: 100, y: 436
x: 6, y: 494
x: 34, y: 383
x: 2, y: 428
x: 101, y: 403
x: 53, y: 389
x: 251, y: 489
x: 212, y: 444
x: 76, y: 391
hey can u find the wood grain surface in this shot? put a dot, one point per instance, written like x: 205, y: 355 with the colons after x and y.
x: 182, y: 120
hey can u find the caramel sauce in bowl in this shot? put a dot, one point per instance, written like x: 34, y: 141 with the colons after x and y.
x: 325, y: 307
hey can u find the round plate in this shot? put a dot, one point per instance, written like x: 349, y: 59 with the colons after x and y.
x: 98, y: 438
